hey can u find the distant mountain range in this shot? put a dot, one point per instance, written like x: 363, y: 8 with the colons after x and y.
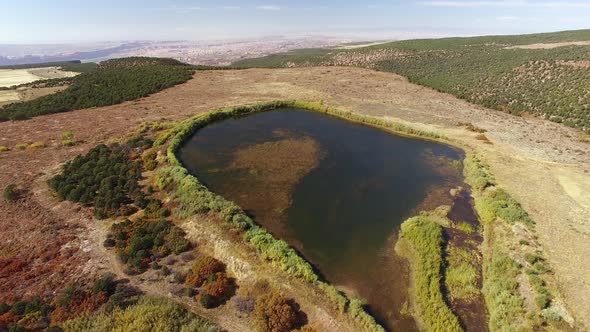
x: 220, y: 52
x: 84, y: 56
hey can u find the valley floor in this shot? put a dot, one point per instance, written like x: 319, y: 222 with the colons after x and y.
x: 544, y: 165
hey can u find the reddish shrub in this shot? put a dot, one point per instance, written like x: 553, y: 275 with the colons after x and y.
x: 219, y: 288
x: 202, y: 269
x: 7, y: 319
x: 275, y: 313
x: 12, y: 266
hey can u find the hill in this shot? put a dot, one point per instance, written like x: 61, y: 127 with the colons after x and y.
x: 547, y: 74
x: 113, y: 82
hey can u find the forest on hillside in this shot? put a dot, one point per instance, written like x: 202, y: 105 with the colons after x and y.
x: 492, y: 71
x: 113, y: 82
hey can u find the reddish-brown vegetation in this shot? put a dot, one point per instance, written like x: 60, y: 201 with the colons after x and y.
x: 203, y: 267
x: 275, y: 313
x: 218, y: 288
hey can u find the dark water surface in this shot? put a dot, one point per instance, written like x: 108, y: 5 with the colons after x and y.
x: 344, y: 213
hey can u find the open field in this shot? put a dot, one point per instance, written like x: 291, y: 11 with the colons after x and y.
x: 11, y: 77
x: 26, y: 94
x: 544, y: 165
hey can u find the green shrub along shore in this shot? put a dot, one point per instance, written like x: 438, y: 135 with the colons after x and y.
x: 504, y: 301
x: 192, y: 197
x: 425, y: 239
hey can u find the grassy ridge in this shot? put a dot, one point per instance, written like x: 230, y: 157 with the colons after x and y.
x: 499, y: 212
x: 116, y: 82
x: 551, y: 83
x: 426, y: 241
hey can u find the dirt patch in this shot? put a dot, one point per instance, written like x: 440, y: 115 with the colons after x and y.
x: 548, y: 46
x: 576, y: 64
x: 8, y: 96
x: 26, y: 94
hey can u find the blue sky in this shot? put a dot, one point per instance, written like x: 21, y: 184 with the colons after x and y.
x: 44, y: 21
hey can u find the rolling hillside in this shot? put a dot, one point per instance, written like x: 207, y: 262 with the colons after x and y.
x: 547, y: 75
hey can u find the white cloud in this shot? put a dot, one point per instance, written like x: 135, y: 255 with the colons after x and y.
x: 268, y: 7
x: 506, y: 3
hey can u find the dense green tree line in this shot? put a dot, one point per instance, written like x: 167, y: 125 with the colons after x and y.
x: 104, y: 178
x: 113, y: 83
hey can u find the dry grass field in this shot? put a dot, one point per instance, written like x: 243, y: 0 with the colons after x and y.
x: 11, y: 77
x: 544, y: 165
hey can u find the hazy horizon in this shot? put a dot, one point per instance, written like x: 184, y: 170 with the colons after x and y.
x: 66, y: 21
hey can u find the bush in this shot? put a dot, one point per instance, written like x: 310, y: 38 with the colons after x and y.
x: 67, y: 135
x: 179, y: 277
x: 426, y: 239
x: 465, y: 227
x: 68, y: 142
x: 496, y: 203
x: 36, y: 145
x: 105, y: 285
x: 139, y: 242
x: 10, y: 194
x: 532, y: 258
x: 109, y: 243
x: 104, y: 178
x: 477, y: 174
x: 21, y: 146
x: 275, y: 313
x: 219, y: 288
x: 201, y: 269
x: 206, y: 301
x: 3, y: 148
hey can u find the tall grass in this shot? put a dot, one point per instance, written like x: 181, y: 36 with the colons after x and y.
x: 426, y: 240
x: 501, y: 292
x: 461, y: 274
x: 500, y: 289
x: 149, y: 314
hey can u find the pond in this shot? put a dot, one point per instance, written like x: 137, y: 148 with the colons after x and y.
x: 337, y: 191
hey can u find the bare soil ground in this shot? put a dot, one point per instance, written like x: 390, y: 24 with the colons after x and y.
x: 543, y: 165
x: 26, y: 94
x: 549, y: 45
